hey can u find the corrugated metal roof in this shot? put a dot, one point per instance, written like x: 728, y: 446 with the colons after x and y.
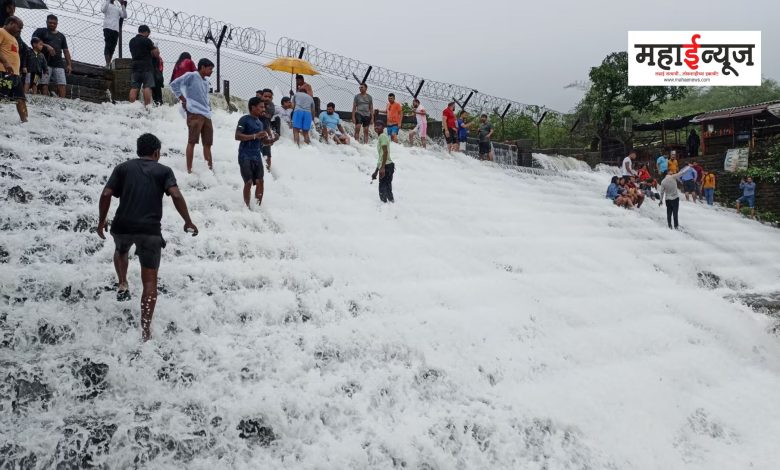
x: 739, y: 111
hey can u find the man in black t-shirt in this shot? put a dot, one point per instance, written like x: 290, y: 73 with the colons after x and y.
x: 140, y: 185
x: 143, y: 69
x: 55, y: 46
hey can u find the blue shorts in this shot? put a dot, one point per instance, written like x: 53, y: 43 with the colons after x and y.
x: 392, y: 130
x: 749, y: 200
x: 301, y: 120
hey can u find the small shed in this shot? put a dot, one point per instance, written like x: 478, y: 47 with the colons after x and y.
x: 743, y: 126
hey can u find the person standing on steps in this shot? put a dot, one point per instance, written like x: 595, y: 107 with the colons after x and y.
x: 671, y: 196
x: 662, y: 165
x: 113, y: 12
x: 159, y: 79
x: 422, y: 123
x: 385, y: 168
x: 140, y: 185
x: 748, y: 188
x: 463, y: 131
x: 12, y: 82
x: 395, y: 116
x: 450, y: 125
x: 708, y: 186
x: 183, y: 65
x: 362, y: 113
x: 252, y: 133
x: 485, y: 133
x: 271, y: 121
x: 693, y: 144
x: 192, y: 89
x: 688, y: 177
x: 628, y: 165
x: 142, y: 78
x: 55, y: 45
x: 303, y: 116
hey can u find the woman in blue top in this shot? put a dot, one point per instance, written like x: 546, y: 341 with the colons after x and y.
x: 614, y: 192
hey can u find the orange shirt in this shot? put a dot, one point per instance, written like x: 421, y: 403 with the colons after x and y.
x: 394, y: 114
x: 709, y: 181
x: 9, y: 50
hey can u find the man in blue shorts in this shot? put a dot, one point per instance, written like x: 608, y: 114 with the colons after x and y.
x: 331, y: 125
x: 748, y: 188
x: 303, y: 115
x: 395, y: 115
x: 252, y: 134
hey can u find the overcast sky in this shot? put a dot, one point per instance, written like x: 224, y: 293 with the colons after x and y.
x: 526, y: 51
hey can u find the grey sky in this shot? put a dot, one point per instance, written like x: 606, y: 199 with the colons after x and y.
x: 526, y: 51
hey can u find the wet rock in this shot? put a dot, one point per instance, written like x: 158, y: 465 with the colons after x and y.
x: 71, y: 297
x: 51, y: 334
x: 170, y: 373
x: 18, y: 194
x: 30, y: 393
x: 429, y: 375
x: 768, y: 304
x: 708, y: 280
x: 63, y: 225
x: 16, y: 457
x: 326, y: 356
x: 83, y: 224
x: 4, y: 255
x: 8, y: 172
x: 255, y: 429
x: 85, y: 443
x: 54, y: 197
x: 93, y: 377
x: 351, y: 388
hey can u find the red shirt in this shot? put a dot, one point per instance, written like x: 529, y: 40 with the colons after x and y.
x: 449, y: 118
x: 186, y: 66
x: 644, y: 175
x: 699, y: 172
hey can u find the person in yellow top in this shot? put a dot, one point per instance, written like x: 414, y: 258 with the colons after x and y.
x: 11, y: 82
x: 674, y: 165
x: 708, y: 186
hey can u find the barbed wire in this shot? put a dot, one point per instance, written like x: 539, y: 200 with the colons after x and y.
x: 253, y: 41
x: 173, y: 23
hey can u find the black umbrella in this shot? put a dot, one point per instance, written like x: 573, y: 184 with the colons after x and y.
x: 31, y: 4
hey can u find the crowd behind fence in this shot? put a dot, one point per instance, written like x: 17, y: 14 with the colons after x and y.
x: 244, y: 52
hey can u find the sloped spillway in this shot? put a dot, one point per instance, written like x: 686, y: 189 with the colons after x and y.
x: 488, y: 319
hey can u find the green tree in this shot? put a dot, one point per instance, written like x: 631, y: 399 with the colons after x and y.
x: 609, y: 98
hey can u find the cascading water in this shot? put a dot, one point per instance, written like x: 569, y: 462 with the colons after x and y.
x: 489, y: 319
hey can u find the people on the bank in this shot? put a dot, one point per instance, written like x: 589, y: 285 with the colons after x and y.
x: 385, y: 168
x: 662, y: 165
x: 183, y: 65
x: 673, y: 166
x: 362, y: 113
x: 192, y: 89
x: 463, y: 131
x: 699, y: 179
x: 450, y: 125
x: 140, y: 185
x: 395, y: 116
x: 303, y: 116
x: 614, y: 194
x: 688, y: 177
x: 748, y: 188
x: 331, y: 126
x: 272, y: 122
x: 693, y: 144
x: 142, y: 77
x: 421, y: 130
x: 159, y: 80
x: 12, y: 82
x: 485, y: 134
x: 708, y: 187
x: 286, y: 111
x: 628, y: 165
x: 114, y: 11
x: 253, y: 135
x: 671, y: 197
x: 57, y: 56
x: 643, y: 174
x: 36, y: 67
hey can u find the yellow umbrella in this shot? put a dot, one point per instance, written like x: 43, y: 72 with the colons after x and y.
x: 292, y: 65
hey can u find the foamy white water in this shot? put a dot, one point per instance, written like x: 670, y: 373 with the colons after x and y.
x: 489, y: 319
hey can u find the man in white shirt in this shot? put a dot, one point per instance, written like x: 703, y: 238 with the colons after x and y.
x: 114, y: 12
x: 422, y: 123
x: 628, y: 164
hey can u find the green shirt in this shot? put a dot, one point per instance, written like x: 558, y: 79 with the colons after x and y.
x: 384, y: 141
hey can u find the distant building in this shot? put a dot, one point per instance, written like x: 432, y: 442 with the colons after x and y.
x: 743, y: 126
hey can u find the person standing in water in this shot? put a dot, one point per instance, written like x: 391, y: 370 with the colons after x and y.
x: 422, y: 123
x: 671, y: 197
x: 252, y: 133
x: 385, y: 168
x: 140, y: 185
x: 362, y: 113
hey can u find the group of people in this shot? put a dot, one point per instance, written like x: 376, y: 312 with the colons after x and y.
x: 695, y: 183
x: 31, y: 68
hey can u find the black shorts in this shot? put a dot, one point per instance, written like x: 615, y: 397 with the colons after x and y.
x: 142, y: 79
x: 484, y: 148
x: 689, y: 186
x: 267, y: 151
x: 112, y: 38
x: 148, y: 248
x: 251, y: 170
x: 362, y: 120
x: 12, y: 86
x: 453, y: 138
